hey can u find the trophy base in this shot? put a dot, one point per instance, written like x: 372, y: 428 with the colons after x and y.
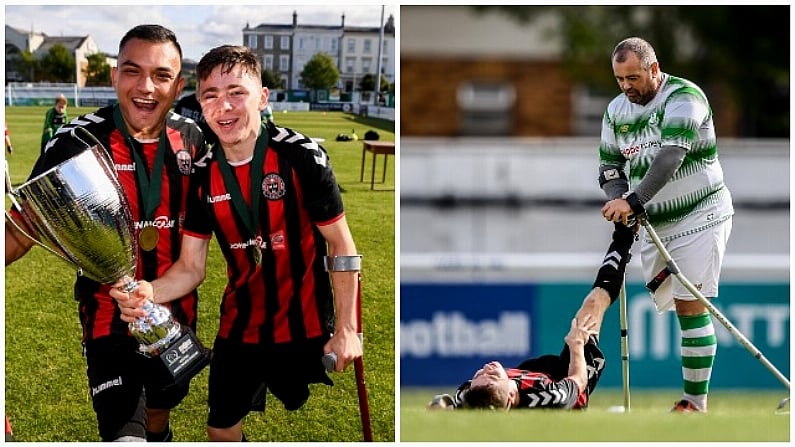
x: 184, y: 359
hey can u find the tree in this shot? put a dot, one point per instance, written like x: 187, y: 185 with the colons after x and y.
x: 97, y: 70
x: 742, y: 50
x: 367, y: 83
x: 26, y: 65
x: 58, y: 65
x: 272, y: 80
x: 320, y: 72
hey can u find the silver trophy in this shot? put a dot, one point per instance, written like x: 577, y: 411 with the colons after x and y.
x: 77, y: 211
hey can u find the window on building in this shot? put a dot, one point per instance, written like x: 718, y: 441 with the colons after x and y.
x: 367, y: 46
x: 366, y: 64
x: 252, y: 41
x: 333, y: 45
x: 350, y: 63
x: 267, y: 62
x: 351, y: 45
x: 284, y: 63
x: 285, y: 43
x: 268, y: 42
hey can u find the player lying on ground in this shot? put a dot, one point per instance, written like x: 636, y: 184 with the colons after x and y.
x: 563, y: 381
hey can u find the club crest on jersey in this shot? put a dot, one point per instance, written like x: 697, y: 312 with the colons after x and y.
x: 624, y: 128
x: 183, y: 161
x: 273, y: 187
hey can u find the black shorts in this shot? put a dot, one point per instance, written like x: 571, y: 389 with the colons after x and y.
x: 241, y: 373
x: 121, y: 387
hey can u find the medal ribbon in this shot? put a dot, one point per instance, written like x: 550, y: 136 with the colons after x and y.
x: 250, y: 216
x: 149, y: 187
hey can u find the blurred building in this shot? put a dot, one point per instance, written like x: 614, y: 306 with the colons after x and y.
x: 18, y: 41
x: 465, y: 72
x: 286, y: 48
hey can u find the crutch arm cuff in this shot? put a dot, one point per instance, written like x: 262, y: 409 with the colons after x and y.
x: 634, y: 203
x: 344, y: 263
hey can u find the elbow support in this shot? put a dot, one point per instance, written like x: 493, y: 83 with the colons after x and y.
x: 609, y: 174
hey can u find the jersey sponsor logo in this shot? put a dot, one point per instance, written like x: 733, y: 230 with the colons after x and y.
x: 273, y: 187
x: 219, y: 198
x: 628, y: 152
x: 278, y: 241
x: 160, y: 222
x: 255, y: 241
x: 104, y: 386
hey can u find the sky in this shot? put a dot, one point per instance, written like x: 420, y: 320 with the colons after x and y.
x: 198, y: 27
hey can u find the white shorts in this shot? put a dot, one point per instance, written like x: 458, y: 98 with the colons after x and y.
x: 699, y: 257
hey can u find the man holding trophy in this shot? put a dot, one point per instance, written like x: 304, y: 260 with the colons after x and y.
x: 271, y: 198
x: 138, y: 156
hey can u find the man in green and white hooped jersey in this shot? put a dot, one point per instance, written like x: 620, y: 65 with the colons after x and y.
x: 663, y: 126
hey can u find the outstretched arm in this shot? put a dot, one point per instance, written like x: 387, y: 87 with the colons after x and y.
x: 180, y: 279
x: 17, y: 244
x: 576, y: 339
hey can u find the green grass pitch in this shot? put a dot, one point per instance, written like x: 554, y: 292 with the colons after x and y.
x: 733, y: 416
x: 46, y: 396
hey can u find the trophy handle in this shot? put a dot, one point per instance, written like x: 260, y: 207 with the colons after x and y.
x: 11, y: 193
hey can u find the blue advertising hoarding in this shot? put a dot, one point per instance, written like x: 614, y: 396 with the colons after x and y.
x: 448, y: 330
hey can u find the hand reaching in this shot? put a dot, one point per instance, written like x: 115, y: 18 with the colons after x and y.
x: 581, y: 330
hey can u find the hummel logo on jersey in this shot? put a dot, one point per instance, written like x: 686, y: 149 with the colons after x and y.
x: 219, y: 198
x: 104, y: 386
x: 121, y: 167
x: 307, y: 143
x: 550, y: 397
x: 612, y: 259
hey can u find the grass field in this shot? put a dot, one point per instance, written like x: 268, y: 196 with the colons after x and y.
x: 733, y: 416
x: 46, y: 395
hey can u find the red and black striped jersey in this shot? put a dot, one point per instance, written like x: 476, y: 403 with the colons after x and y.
x: 538, y: 390
x: 288, y: 297
x: 99, y: 314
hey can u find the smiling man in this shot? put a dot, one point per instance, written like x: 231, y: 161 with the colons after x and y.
x: 152, y: 150
x: 271, y: 199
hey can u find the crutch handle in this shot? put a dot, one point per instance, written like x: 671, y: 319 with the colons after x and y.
x: 330, y: 362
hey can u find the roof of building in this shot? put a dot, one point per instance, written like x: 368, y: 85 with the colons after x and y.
x: 70, y: 42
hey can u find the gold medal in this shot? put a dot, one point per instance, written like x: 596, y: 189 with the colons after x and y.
x: 147, y: 238
x: 256, y: 254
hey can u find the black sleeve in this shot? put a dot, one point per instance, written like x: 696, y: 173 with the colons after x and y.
x: 197, y: 217
x: 458, y: 398
x: 322, y: 197
x: 562, y: 394
x: 64, y: 147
